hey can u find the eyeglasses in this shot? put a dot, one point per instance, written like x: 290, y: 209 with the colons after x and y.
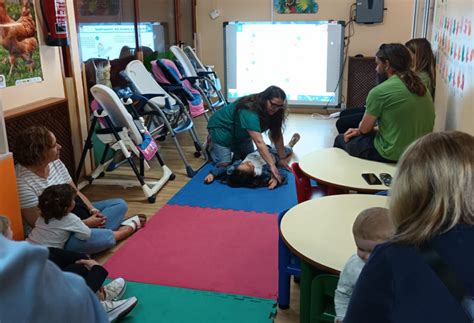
x: 276, y: 106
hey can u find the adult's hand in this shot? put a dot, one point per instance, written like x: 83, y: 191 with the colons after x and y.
x: 275, y: 173
x: 96, y: 220
x: 350, y: 133
x: 283, y: 163
x: 89, y: 263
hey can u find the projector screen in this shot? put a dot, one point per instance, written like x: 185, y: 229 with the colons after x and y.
x: 303, y: 58
x: 105, y: 40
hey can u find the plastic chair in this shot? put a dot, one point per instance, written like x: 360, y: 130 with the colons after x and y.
x: 169, y: 77
x: 304, y: 190
x: 164, y: 108
x: 288, y: 265
x: 125, y: 132
x: 322, y: 298
x: 200, y: 79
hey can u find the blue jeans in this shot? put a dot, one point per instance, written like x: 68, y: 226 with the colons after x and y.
x: 101, y: 238
x: 222, y: 155
x: 114, y: 210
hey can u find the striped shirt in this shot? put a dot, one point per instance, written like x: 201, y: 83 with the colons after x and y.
x: 31, y: 186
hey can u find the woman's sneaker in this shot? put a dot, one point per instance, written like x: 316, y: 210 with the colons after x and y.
x: 117, y: 309
x: 115, y: 289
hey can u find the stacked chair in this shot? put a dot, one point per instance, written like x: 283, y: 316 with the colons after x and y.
x: 165, y: 113
x: 168, y: 76
x: 200, y: 79
x: 122, y: 130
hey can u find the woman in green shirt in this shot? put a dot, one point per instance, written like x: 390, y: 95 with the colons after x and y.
x: 423, y: 61
x: 234, y: 129
x: 399, y: 110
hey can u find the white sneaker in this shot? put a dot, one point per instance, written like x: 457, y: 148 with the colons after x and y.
x: 115, y: 289
x: 118, y: 309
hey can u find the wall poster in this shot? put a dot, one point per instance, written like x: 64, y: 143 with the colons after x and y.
x: 19, y: 49
x: 295, y: 6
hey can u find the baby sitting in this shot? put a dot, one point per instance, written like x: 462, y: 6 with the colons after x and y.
x: 371, y: 227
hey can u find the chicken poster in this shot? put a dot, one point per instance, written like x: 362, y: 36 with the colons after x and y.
x: 19, y: 49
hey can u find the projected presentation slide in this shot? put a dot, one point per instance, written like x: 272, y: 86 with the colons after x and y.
x: 304, y: 59
x: 106, y: 40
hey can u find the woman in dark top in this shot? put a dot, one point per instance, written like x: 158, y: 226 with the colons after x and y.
x: 431, y: 206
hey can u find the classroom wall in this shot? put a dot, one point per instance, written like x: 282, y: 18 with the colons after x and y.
x: 453, y: 41
x: 51, y: 87
x: 367, y: 38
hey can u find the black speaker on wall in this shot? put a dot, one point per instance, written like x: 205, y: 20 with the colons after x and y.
x: 369, y: 11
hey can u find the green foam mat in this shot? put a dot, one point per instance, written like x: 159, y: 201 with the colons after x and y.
x: 158, y: 303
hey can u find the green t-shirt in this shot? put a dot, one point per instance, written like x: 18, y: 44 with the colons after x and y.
x: 227, y: 129
x: 425, y: 78
x: 402, y: 116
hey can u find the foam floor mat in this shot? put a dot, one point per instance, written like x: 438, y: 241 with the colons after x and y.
x: 179, y: 305
x: 217, y: 250
x: 218, y: 195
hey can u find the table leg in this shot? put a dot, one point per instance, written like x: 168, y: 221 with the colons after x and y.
x: 308, y: 272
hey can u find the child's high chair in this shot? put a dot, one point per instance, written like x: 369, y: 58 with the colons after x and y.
x: 166, y: 111
x: 201, y: 79
x: 122, y: 132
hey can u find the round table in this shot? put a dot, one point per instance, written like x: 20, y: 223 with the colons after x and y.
x: 319, y: 232
x: 335, y: 167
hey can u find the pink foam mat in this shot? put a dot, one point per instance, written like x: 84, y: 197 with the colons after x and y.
x: 202, y: 248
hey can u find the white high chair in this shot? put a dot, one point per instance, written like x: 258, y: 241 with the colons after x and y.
x: 164, y: 108
x: 121, y: 132
x: 203, y: 78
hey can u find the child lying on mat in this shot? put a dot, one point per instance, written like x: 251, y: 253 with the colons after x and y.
x: 253, y: 171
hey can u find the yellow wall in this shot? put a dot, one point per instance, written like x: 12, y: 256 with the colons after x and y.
x: 367, y: 38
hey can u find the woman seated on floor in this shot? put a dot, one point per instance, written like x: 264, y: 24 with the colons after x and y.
x: 37, y: 154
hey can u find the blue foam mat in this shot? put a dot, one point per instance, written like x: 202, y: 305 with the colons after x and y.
x: 221, y: 196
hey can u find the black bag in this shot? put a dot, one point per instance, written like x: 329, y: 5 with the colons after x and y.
x: 81, y: 209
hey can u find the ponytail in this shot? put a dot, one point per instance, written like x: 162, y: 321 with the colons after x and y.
x: 412, y: 82
x: 400, y: 61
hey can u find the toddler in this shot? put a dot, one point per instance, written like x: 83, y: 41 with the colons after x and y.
x: 253, y: 171
x: 56, y: 223
x: 371, y: 227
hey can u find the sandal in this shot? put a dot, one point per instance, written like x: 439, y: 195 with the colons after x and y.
x: 294, y: 139
x: 135, y: 222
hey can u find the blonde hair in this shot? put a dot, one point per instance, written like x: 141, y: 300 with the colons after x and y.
x: 4, y: 225
x: 373, y: 224
x: 433, y: 187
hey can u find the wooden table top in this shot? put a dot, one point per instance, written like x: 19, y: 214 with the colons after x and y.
x: 320, y: 230
x: 335, y: 167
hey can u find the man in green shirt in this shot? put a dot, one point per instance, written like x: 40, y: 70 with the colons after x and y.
x: 399, y: 111
x: 234, y: 129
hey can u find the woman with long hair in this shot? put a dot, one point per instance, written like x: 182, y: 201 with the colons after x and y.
x: 37, y: 153
x: 399, y: 110
x: 234, y: 129
x: 423, y: 61
x: 432, y: 209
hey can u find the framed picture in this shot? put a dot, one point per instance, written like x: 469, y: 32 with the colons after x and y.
x: 19, y: 47
x: 295, y: 6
